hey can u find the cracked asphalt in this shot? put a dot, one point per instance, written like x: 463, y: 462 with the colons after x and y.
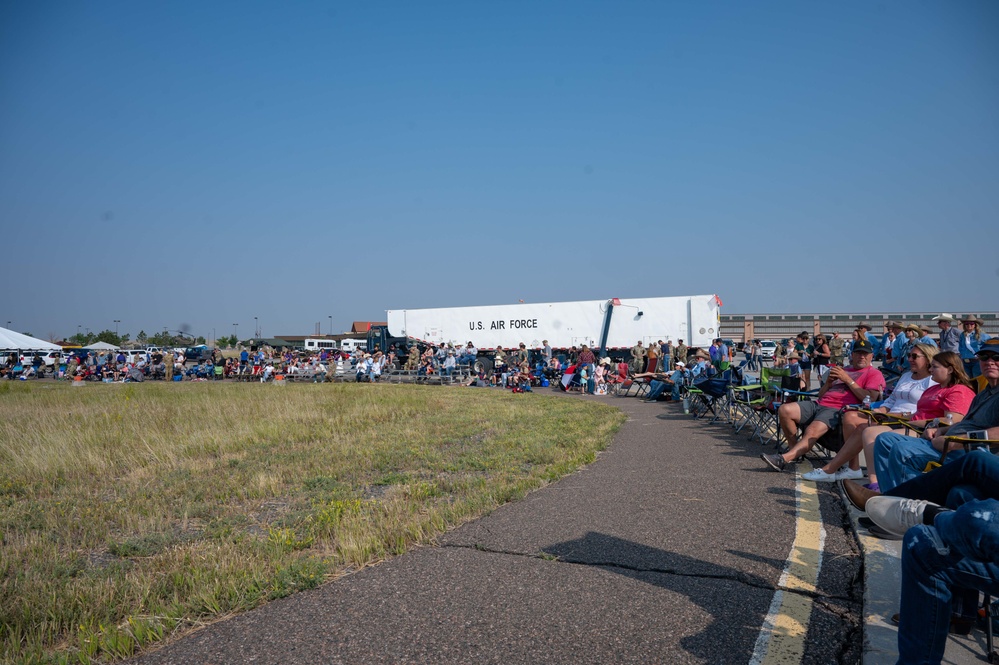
x: 667, y: 549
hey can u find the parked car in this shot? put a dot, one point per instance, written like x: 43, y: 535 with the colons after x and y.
x: 48, y: 357
x: 197, y: 354
x: 768, y: 348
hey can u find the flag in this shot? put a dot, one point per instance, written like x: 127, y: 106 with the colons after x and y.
x: 718, y: 300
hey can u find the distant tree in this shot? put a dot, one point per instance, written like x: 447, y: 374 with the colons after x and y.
x: 200, y: 340
x: 141, y: 337
x: 109, y: 337
x: 125, y: 338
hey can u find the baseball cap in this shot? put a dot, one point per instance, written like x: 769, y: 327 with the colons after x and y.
x: 862, y: 346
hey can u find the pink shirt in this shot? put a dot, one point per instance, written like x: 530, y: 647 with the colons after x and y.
x: 839, y: 395
x: 937, y: 401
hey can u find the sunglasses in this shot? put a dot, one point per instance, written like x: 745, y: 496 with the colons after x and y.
x: 989, y: 357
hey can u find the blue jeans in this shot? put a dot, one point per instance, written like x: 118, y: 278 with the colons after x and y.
x: 656, y: 388
x: 898, y: 458
x: 959, y: 550
x: 973, y: 476
x: 466, y: 359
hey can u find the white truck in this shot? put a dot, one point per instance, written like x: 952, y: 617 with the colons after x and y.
x: 611, y: 327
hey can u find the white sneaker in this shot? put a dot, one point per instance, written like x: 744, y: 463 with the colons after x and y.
x: 846, y: 473
x: 895, y: 514
x: 820, y: 476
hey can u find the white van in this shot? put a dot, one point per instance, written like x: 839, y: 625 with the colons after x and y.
x: 351, y: 345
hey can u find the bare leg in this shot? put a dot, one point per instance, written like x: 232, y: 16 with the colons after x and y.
x: 811, y: 434
x: 788, y: 416
x: 852, y: 424
x: 852, y: 446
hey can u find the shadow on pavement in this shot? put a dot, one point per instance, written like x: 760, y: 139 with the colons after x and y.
x: 736, y: 617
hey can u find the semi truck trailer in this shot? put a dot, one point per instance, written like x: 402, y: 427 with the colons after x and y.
x: 610, y: 327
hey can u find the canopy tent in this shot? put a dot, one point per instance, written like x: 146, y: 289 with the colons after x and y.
x: 101, y: 346
x: 15, y: 341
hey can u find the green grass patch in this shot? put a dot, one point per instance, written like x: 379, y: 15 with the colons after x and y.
x: 129, y: 513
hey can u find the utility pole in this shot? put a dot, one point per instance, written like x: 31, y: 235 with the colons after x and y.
x: 234, y: 332
x: 331, y: 325
x: 256, y: 328
x: 116, y: 322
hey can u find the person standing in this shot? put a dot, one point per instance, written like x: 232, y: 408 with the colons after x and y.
x: 652, y: 355
x: 971, y: 341
x: 804, y: 350
x: 836, y: 349
x: 637, y: 357
x: 950, y: 338
x: 681, y: 352
x: 546, y: 350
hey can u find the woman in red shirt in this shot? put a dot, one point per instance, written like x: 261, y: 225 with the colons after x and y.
x: 947, y: 402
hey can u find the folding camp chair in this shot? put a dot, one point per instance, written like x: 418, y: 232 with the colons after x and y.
x: 710, y: 395
x: 747, y: 399
x: 766, y: 425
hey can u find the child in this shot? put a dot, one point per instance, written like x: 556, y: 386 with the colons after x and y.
x: 795, y: 369
x: 584, y: 376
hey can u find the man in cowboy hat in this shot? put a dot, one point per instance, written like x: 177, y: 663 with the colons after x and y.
x: 950, y: 338
x: 702, y: 366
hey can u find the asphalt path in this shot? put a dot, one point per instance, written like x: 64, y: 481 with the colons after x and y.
x: 673, y: 547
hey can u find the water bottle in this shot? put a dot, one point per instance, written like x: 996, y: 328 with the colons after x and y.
x: 867, y: 402
x: 686, y: 405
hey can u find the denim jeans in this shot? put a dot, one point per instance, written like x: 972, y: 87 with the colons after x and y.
x: 656, y: 388
x: 898, y: 458
x: 973, y: 476
x: 959, y: 550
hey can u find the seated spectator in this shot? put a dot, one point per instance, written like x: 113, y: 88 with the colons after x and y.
x: 898, y: 458
x: 363, y: 368
x: 268, y: 374
x: 912, y: 334
x: 903, y: 402
x: 949, y: 518
x: 662, y: 381
x: 447, y: 369
x: 469, y: 355
x: 844, y: 386
x: 522, y: 379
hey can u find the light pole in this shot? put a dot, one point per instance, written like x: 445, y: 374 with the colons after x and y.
x: 331, y: 325
x: 116, y: 322
x: 234, y: 332
x: 213, y: 338
x: 256, y: 327
x: 78, y: 326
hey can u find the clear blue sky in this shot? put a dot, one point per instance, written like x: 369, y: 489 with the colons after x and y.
x: 199, y: 164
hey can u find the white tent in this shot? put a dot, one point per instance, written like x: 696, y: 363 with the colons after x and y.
x: 101, y: 346
x: 15, y: 341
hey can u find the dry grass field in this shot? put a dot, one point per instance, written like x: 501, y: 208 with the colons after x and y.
x: 131, y: 513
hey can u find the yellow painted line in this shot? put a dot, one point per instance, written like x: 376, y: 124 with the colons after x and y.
x: 782, y: 638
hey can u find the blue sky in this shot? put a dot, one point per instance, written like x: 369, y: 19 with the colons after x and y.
x: 200, y: 164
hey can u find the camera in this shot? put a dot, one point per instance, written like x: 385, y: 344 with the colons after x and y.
x: 978, y: 435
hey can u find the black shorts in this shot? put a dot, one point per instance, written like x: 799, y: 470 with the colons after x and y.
x: 813, y: 412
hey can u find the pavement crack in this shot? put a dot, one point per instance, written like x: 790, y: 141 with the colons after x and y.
x: 739, y: 578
